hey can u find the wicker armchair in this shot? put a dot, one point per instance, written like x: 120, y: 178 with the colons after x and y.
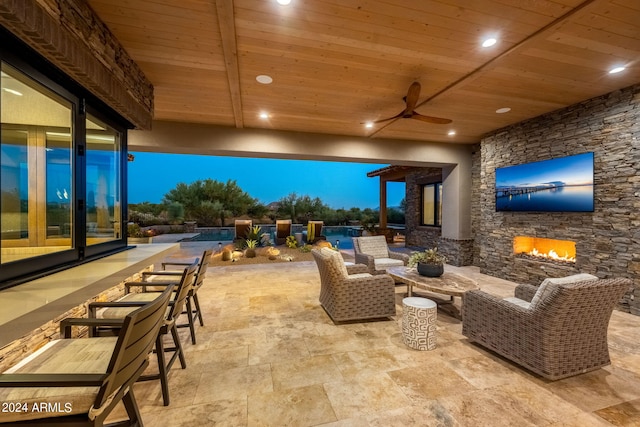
x: 373, y: 252
x: 350, y: 292
x: 556, y: 331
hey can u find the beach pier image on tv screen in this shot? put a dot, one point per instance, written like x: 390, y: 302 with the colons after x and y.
x: 564, y: 184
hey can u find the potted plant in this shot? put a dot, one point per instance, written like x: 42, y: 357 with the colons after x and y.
x: 428, y: 263
x: 250, y: 252
x: 135, y: 234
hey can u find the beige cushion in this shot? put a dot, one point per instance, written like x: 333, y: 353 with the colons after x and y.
x: 376, y: 246
x: 548, y: 285
x: 335, y: 262
x: 384, y: 263
x: 359, y: 275
x: 581, y: 277
x: 88, y: 355
x: 518, y: 301
x: 120, y: 312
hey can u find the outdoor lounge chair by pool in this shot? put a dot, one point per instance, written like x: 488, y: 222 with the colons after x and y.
x: 86, y: 377
x: 243, y: 226
x: 314, y: 232
x: 283, y: 230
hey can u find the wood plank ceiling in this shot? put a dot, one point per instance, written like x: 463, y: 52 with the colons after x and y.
x: 338, y: 63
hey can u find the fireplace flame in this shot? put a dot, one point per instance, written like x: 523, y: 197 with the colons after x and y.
x: 552, y: 254
x: 544, y: 248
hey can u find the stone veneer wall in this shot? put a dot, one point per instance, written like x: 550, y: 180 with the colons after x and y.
x: 476, y: 211
x: 70, y: 35
x: 608, y: 239
x: 458, y: 252
x: 17, y: 350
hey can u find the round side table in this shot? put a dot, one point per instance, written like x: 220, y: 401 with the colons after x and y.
x: 419, y: 317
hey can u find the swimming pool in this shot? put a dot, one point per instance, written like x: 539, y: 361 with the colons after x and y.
x: 336, y: 233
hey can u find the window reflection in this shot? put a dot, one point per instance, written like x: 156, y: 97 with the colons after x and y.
x: 432, y: 204
x: 103, y: 182
x: 14, y: 198
x: 36, y: 161
x: 59, y: 185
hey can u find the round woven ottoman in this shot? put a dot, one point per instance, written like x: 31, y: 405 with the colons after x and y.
x: 419, y: 317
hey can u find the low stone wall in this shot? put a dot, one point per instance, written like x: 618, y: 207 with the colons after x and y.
x: 458, y: 252
x: 17, y: 350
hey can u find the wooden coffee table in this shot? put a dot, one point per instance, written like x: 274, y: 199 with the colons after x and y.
x: 451, y: 284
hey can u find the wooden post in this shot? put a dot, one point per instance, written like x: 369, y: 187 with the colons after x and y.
x: 383, y: 203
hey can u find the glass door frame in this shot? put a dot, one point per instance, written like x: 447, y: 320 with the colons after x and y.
x: 99, y: 248
x: 21, y: 57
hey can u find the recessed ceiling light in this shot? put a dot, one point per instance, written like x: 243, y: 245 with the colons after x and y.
x: 11, y: 91
x: 368, y: 125
x: 264, y: 79
x: 489, y: 42
x: 283, y: 2
x: 617, y: 70
x: 264, y: 115
x: 503, y: 110
x: 451, y: 132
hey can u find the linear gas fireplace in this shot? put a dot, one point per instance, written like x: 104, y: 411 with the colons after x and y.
x: 561, y: 251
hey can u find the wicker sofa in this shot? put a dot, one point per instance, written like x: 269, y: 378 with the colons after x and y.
x: 373, y: 252
x: 350, y: 293
x: 556, y: 330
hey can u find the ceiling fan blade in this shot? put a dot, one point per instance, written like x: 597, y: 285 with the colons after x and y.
x: 412, y: 97
x: 429, y: 119
x: 386, y: 120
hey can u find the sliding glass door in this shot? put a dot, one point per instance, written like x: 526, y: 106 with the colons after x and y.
x: 36, y: 169
x: 103, y: 182
x: 62, y: 160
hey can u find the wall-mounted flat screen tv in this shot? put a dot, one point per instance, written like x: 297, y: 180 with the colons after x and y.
x: 564, y: 184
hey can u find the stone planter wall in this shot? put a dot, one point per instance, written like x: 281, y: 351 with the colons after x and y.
x: 608, y: 239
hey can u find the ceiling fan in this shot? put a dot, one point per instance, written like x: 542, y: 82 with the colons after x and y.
x: 411, y: 100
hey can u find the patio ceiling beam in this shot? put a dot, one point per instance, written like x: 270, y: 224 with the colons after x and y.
x: 226, y: 22
x: 212, y: 140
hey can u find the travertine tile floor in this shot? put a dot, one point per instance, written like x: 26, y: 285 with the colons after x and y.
x: 268, y: 355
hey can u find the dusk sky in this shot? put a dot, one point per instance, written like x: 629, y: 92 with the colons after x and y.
x: 572, y: 170
x: 337, y: 184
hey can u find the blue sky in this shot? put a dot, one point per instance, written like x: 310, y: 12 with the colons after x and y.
x: 337, y: 184
x: 572, y: 170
